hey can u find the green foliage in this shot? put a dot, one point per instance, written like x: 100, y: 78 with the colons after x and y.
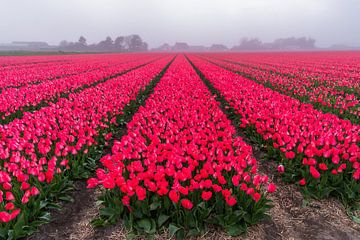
x: 157, y: 213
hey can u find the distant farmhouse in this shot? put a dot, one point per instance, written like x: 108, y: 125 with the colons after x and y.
x: 22, y: 45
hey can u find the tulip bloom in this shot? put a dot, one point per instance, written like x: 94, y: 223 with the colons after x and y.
x: 302, y: 182
x: 174, y: 196
x: 271, y: 188
x: 187, y: 204
x: 43, y: 143
x: 281, y: 169
x: 314, y: 172
x: 206, y: 195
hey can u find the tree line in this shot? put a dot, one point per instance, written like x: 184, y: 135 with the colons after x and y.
x: 290, y: 43
x: 134, y: 43
x: 131, y: 43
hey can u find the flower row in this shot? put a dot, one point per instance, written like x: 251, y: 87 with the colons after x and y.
x: 319, y: 150
x: 23, y: 72
x: 17, y: 99
x: 332, y: 68
x: 40, y: 148
x: 179, y: 158
x: 329, y: 93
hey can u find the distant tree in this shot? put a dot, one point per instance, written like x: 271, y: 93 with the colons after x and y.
x: 249, y: 44
x: 309, y: 43
x: 119, y: 43
x: 82, y: 41
x: 106, y: 45
x: 63, y: 43
x: 180, y: 46
x: 108, y: 41
x: 119, y: 40
x: 136, y: 44
x: 294, y: 43
x: 218, y: 47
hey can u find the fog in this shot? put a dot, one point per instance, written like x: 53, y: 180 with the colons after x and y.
x: 193, y: 21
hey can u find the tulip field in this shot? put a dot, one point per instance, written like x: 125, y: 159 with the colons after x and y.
x: 177, y: 144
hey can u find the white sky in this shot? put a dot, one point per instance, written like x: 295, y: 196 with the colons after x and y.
x: 194, y: 21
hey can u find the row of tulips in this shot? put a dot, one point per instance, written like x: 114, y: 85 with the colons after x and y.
x: 319, y: 92
x: 24, y: 74
x: 16, y: 101
x: 25, y: 71
x: 319, y: 151
x: 337, y: 69
x: 317, y: 74
x: 181, y: 165
x: 42, y: 150
x: 10, y: 61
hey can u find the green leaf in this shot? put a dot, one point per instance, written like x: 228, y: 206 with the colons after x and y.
x: 11, y: 235
x: 180, y: 234
x: 45, y: 216
x: 355, y: 219
x: 66, y: 198
x: 53, y: 206
x: 43, y: 204
x: 202, y: 205
x: 145, y: 209
x: 162, y: 219
x: 108, y: 212
x: 145, y: 224
x: 37, y: 223
x: 235, y: 230
x: 153, y: 227
x: 193, y: 232
x: 129, y: 221
x: 154, y: 206
x: 28, y: 230
x: 99, y: 202
x: 98, y: 222
x: 131, y: 236
x: 305, y: 203
x: 239, y: 213
x: 173, y: 229
x: 220, y: 220
x: 3, y: 233
x: 138, y: 213
x: 18, y: 227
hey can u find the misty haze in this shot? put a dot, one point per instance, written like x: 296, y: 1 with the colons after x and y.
x: 199, y: 22
x: 202, y: 119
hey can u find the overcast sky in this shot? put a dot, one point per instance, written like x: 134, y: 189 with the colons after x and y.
x: 194, y: 21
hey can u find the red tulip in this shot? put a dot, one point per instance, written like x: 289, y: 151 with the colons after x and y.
x: 314, y: 172
x: 9, y: 196
x: 323, y: 166
x: 174, y: 196
x: 281, y: 169
x: 302, y: 182
x: 125, y: 200
x: 92, y: 182
x: 290, y: 155
x: 9, y: 206
x: 231, y: 201
x: 206, y: 195
x: 186, y: 203
x: 271, y: 188
x: 141, y: 193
